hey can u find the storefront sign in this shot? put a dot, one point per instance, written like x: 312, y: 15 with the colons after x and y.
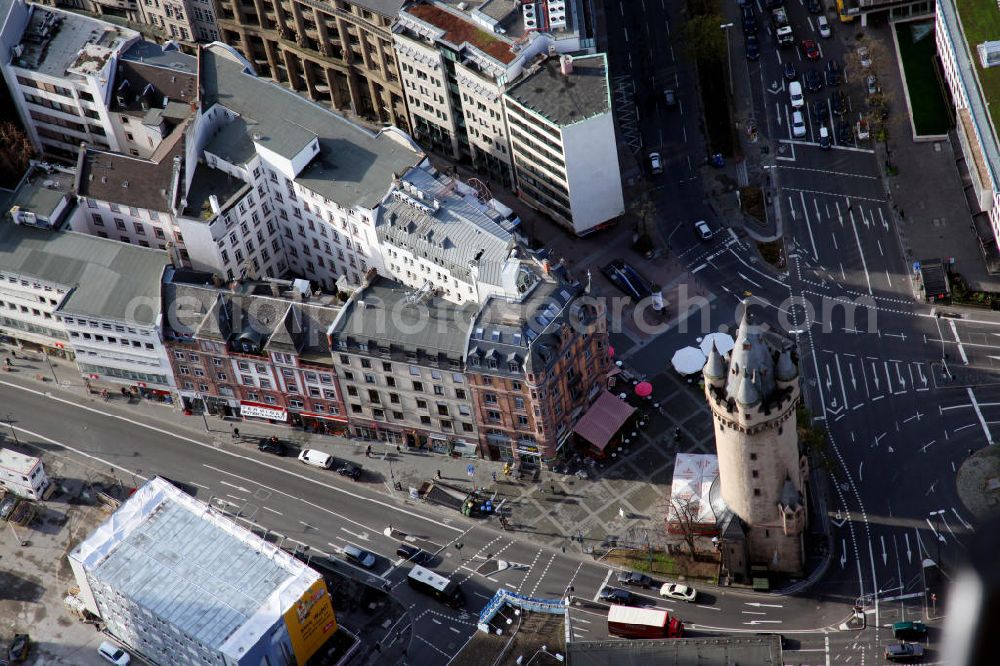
x: 259, y: 411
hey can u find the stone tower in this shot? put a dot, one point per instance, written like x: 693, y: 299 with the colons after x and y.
x: 753, y: 395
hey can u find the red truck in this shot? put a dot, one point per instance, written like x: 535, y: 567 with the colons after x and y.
x: 632, y: 622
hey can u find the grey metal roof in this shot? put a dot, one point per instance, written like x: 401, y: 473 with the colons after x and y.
x: 110, y: 280
x: 389, y: 8
x: 564, y: 100
x: 750, y: 363
x: 354, y: 167
x: 191, y: 573
x: 157, y: 55
x: 386, y: 312
x: 443, y: 227
x: 42, y: 192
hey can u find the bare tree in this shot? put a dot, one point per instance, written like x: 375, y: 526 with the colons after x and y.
x: 683, y: 519
x: 15, y: 152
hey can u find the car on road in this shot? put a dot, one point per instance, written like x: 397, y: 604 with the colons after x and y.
x: 655, y: 164
x: 316, y: 458
x: 412, y: 554
x: 749, y: 20
x: 790, y: 72
x: 703, y: 230
x: 628, y: 279
x: 813, y: 80
x: 795, y: 95
x: 351, y: 470
x: 823, y: 27
x: 833, y: 74
x: 904, y: 652
x: 753, y: 47
x: 634, y: 579
x: 810, y: 49
x: 355, y: 555
x: 670, y: 96
x: 814, y: 6
x: 838, y: 102
x: 820, y: 111
x: 864, y: 56
x: 19, y: 647
x: 913, y: 631
x: 272, y: 445
x: 871, y: 84
x: 114, y: 654
x: 616, y: 595
x: 798, y: 125
x: 824, y: 138
x: 678, y: 592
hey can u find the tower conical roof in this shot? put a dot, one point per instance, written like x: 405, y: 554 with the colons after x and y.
x: 786, y: 370
x: 715, y: 367
x: 746, y: 393
x: 751, y: 357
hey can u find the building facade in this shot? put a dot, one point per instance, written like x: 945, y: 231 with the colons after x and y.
x: 336, y: 53
x: 562, y: 139
x: 753, y: 396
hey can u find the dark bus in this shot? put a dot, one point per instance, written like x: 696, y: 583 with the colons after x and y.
x: 443, y: 589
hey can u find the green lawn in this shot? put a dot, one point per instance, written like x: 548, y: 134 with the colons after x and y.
x: 981, y: 22
x: 927, y: 100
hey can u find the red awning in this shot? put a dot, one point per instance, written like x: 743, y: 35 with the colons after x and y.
x: 604, y: 418
x: 325, y: 417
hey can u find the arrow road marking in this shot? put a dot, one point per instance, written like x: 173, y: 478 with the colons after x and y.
x: 752, y: 613
x: 940, y: 537
x: 843, y: 553
x: 885, y: 556
x: 235, y: 487
x: 854, y: 382
x: 967, y: 525
x: 757, y: 604
x: 840, y: 374
x: 763, y: 622
x: 909, y: 553
x: 875, y: 375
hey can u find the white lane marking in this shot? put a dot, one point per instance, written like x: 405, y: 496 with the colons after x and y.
x: 805, y: 213
x: 979, y: 414
x: 958, y: 341
x: 861, y: 252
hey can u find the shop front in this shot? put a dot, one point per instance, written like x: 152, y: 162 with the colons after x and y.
x: 323, y: 424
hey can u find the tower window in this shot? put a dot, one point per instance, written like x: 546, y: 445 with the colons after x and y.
x: 756, y: 492
x: 753, y: 456
x: 780, y: 429
x: 754, y: 473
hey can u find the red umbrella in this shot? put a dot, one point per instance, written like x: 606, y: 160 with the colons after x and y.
x: 643, y: 389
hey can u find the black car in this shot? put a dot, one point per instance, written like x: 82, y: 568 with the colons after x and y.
x: 820, y: 112
x: 18, y: 650
x: 845, y: 134
x: 833, y: 75
x: 838, y: 101
x: 616, y: 595
x: 351, y: 470
x: 272, y: 445
x: 628, y: 279
x: 790, y: 72
x: 814, y: 6
x: 753, y: 47
x: 412, y: 553
x: 813, y: 80
x: 773, y: 4
x: 634, y: 579
x: 749, y: 20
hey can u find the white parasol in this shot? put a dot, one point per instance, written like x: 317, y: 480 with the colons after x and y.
x: 688, y: 360
x: 723, y: 342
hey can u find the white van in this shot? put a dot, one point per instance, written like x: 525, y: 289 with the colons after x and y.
x: 798, y: 125
x: 316, y: 458
x: 795, y: 94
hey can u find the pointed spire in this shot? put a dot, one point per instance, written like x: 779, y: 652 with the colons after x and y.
x: 787, y: 370
x: 715, y: 367
x: 746, y: 392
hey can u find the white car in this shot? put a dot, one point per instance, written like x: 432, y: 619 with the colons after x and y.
x: 795, y: 95
x: 798, y: 125
x: 113, y: 653
x: 655, y: 165
x: 823, y: 26
x: 703, y: 230
x: 678, y: 592
x: 864, y: 56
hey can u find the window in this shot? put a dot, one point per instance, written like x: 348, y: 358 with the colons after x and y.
x: 386, y: 367
x: 418, y: 386
x: 438, y: 389
x: 753, y: 456
x: 366, y: 363
x: 493, y: 415
x: 756, y: 492
x: 460, y: 394
x: 490, y: 398
x: 394, y: 398
x: 421, y: 404
x: 425, y: 420
x: 442, y: 409
x: 754, y: 473
x: 351, y: 391
x: 519, y: 403
x: 369, y: 378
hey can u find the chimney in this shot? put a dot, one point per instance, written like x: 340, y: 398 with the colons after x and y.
x: 566, y: 65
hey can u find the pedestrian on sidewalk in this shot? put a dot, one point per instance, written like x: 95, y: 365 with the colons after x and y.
x: 368, y: 451
x: 494, y: 477
x: 439, y: 474
x: 7, y: 361
x: 399, y: 450
x: 236, y: 433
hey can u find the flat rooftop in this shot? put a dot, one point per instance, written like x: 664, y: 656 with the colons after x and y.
x: 460, y: 29
x: 206, y: 182
x: 565, y: 100
x: 53, y: 41
x: 42, y: 191
x: 981, y: 23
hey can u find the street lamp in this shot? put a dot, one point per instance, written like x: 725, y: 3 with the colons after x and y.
x: 51, y: 369
x: 729, y: 55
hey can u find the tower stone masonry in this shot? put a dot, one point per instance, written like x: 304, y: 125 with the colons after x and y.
x: 753, y: 393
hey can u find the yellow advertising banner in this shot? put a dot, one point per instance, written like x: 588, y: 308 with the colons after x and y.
x: 310, y: 621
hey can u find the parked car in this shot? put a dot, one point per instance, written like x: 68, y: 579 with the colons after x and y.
x: 678, y: 592
x: 904, y: 652
x: 655, y: 165
x: 351, y: 470
x: 272, y: 445
x: 871, y: 84
x: 412, y: 553
x: 814, y: 6
x: 670, y: 96
x: 798, y: 125
x: 909, y: 630
x: 823, y: 26
x: 634, y: 579
x: 703, y: 230
x: 820, y: 111
x: 753, y: 47
x: 810, y: 49
x: 316, y: 458
x: 8, y: 505
x: 814, y: 81
x: 113, y: 654
x: 864, y: 57
x: 749, y: 20
x: 833, y: 74
x: 355, y: 555
x: 790, y: 72
x: 824, y: 138
x: 795, y: 95
x: 862, y: 129
x: 19, y: 647
x: 838, y: 102
x: 615, y: 595
x: 628, y: 279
